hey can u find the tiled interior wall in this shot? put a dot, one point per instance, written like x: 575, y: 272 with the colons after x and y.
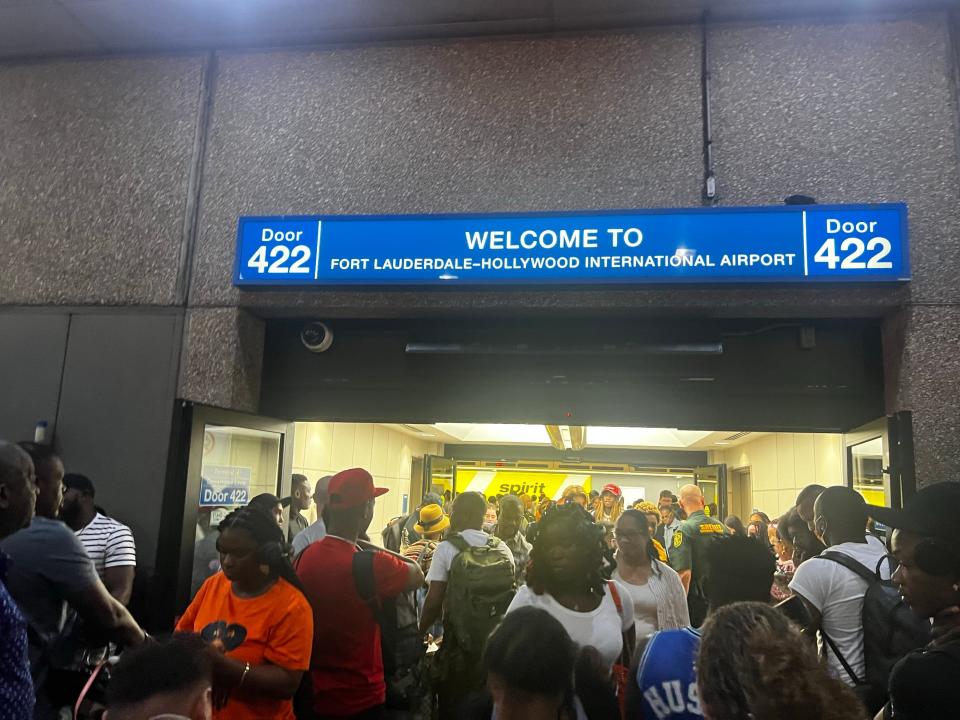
x: 325, y: 448
x: 783, y: 463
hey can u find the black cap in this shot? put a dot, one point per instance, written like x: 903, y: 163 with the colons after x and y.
x: 76, y: 481
x: 932, y: 512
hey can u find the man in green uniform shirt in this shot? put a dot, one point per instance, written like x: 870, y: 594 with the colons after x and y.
x: 688, y: 551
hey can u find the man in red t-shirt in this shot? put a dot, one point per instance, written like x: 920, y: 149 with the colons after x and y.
x: 347, y: 668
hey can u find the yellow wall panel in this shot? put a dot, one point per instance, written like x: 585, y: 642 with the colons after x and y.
x: 782, y: 463
x: 786, y: 461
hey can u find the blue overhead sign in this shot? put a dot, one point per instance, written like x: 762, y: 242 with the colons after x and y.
x: 783, y: 244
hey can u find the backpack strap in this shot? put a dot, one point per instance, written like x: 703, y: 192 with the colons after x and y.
x: 624, y: 658
x: 458, y: 542
x: 850, y: 564
x: 871, y: 577
x: 841, y: 658
x: 364, y: 581
x: 616, y: 597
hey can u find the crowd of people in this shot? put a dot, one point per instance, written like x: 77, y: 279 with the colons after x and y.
x: 500, y: 607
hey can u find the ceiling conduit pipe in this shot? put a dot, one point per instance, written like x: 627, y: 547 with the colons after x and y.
x: 709, y: 176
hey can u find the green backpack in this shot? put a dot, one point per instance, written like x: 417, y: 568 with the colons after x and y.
x: 479, y: 590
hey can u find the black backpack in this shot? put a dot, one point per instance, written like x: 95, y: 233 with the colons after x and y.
x: 392, y: 534
x: 401, y: 644
x: 890, y: 631
x: 480, y: 587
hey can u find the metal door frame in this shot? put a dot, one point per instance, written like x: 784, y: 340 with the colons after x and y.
x: 181, y: 498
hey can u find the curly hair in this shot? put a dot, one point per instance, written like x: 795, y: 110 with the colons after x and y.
x: 753, y: 662
x: 580, y: 529
x: 265, y: 531
x: 645, y: 506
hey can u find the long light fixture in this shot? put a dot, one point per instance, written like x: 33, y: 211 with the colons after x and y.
x: 556, y: 438
x: 567, y: 437
x: 578, y: 437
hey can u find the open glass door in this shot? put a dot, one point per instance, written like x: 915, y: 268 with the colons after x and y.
x: 440, y: 476
x: 232, y: 458
x: 712, y: 480
x: 867, y: 461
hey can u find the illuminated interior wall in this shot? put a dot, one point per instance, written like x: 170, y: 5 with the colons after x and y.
x: 324, y: 448
x: 782, y: 463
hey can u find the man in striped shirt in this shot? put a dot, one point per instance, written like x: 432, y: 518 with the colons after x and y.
x: 108, y: 543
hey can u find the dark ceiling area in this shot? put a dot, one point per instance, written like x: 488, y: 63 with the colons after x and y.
x: 740, y: 375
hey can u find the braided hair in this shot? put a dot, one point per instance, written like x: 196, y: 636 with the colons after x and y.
x: 273, y: 549
x: 582, y: 531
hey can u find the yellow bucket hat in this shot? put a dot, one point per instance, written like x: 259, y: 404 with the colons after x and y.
x: 432, y: 520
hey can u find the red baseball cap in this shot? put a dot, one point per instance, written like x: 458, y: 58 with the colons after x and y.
x: 352, y: 488
x: 612, y: 489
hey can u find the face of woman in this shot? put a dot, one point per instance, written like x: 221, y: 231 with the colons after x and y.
x: 512, y: 703
x: 277, y: 512
x: 653, y: 519
x: 926, y: 594
x: 666, y: 516
x: 490, y: 516
x: 239, y: 557
x: 632, y: 538
x: 568, y: 561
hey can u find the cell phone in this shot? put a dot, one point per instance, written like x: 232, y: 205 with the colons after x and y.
x: 794, y: 609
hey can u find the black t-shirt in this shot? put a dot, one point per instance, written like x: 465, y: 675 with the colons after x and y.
x: 926, y: 684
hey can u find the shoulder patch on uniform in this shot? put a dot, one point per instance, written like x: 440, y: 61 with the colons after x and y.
x: 677, y: 539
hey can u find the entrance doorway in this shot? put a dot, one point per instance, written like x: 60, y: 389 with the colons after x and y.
x: 223, y: 460
x: 752, y: 411
x: 741, y: 493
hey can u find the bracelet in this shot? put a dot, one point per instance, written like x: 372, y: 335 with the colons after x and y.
x: 246, y: 669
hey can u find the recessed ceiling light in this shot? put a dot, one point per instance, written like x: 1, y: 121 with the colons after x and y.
x: 721, y: 442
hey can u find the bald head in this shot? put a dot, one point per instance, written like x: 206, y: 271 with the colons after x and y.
x: 18, y: 490
x: 321, y: 492
x: 14, y: 458
x: 840, y: 515
x: 691, y: 498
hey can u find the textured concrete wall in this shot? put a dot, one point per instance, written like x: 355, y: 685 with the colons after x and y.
x: 503, y: 124
x: 94, y: 159
x: 860, y: 112
x: 923, y: 369
x: 222, y: 358
x: 846, y: 112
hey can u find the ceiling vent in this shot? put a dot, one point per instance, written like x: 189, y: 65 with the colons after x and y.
x: 736, y: 436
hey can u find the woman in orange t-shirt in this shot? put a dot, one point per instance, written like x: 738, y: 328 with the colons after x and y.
x: 255, y: 619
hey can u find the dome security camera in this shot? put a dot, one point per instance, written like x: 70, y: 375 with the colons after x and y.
x: 317, y: 337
